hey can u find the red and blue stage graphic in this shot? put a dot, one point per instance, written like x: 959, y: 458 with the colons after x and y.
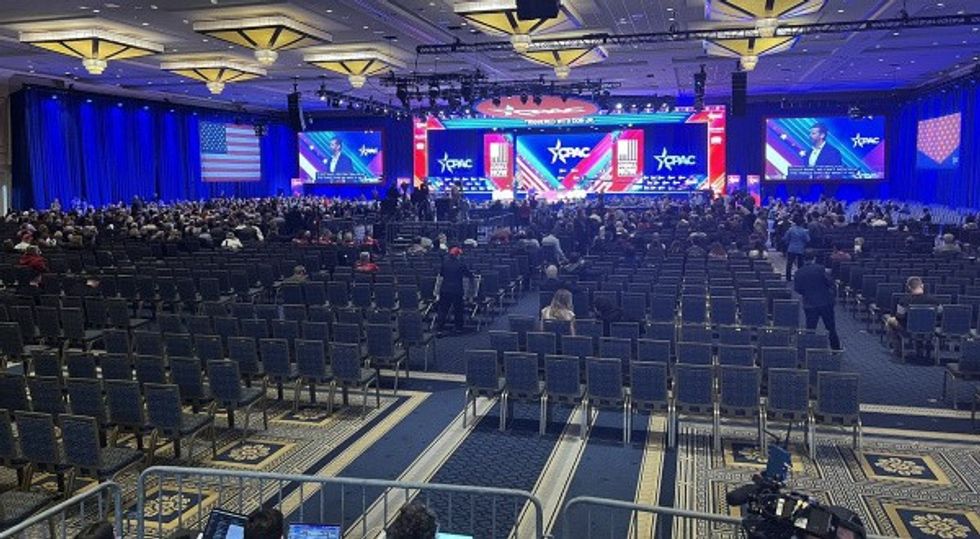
x: 938, y: 142
x: 645, y: 153
x: 341, y: 157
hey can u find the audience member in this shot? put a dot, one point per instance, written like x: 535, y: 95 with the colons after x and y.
x: 796, y: 240
x: 414, y: 521
x: 264, y: 523
x: 97, y: 530
x: 231, y: 242
x: 32, y: 259
x: 451, y: 289
x: 813, y: 282
x: 607, y: 312
x: 299, y: 275
x: 560, y: 308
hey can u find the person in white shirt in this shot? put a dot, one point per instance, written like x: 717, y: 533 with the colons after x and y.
x: 555, y: 243
x: 231, y: 243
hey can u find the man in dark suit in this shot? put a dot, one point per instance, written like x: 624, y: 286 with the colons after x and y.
x: 451, y: 291
x: 813, y: 282
x: 338, y: 162
x: 822, y: 153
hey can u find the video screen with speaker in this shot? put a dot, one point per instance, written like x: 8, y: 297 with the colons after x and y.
x: 937, y: 142
x: 825, y: 148
x: 341, y: 157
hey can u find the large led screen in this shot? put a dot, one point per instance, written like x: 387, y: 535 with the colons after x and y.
x: 341, y: 157
x: 825, y: 148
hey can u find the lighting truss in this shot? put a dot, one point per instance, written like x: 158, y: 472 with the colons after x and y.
x: 741, y: 32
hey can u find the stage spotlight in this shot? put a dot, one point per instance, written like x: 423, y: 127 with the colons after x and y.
x: 700, y: 83
x: 564, y: 98
x: 496, y: 101
x: 466, y: 91
x: 619, y: 106
x: 322, y: 93
x: 433, y: 92
x: 524, y: 98
x: 537, y: 100
x: 401, y: 92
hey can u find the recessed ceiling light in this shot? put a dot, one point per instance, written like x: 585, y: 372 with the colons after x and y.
x: 153, y: 6
x: 365, y: 27
x: 329, y: 11
x: 895, y: 33
x: 841, y: 10
x: 144, y: 24
x: 940, y: 4
x: 205, y: 40
x: 670, y: 9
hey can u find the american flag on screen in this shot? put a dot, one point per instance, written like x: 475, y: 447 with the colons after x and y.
x: 230, y: 153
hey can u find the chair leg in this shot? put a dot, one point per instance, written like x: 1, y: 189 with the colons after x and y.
x: 583, y: 419
x: 503, y: 412
x: 377, y: 393
x: 265, y: 413
x: 296, y: 396
x: 716, y: 431
x: 543, y: 415
x: 811, y: 432
x: 214, y: 441
x: 466, y: 406
x: 333, y: 389
x: 626, y: 422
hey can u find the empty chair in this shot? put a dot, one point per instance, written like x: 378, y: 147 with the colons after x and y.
x: 412, y: 332
x: 226, y: 327
x: 696, y: 333
x: 694, y: 353
x: 150, y: 369
x: 521, y: 383
x: 291, y: 293
x: 541, y: 344
x: 312, y: 369
x: 625, y: 330
x: 116, y: 367
x: 782, y: 337
x: 634, y: 306
x: 47, y: 395
x: 47, y: 363
x: 208, y: 347
x: 955, y: 326
x: 778, y: 357
x: 48, y: 325
x: 788, y: 398
x: 786, y: 313
x: 12, y: 342
x: 738, y: 398
x: 385, y: 296
x: 504, y: 341
x: 838, y: 403
x: 118, y: 311
x: 809, y: 340
x: 579, y: 346
x: 734, y: 335
x: 589, y: 327
x: 17, y: 504
x: 266, y: 311
x: 116, y: 341
x: 185, y: 372
x: 170, y: 323
x: 39, y: 444
x: 648, y: 390
x: 244, y: 351
x: 693, y: 395
x: 228, y: 393
x: 75, y: 332
x: 84, y: 453
x: 167, y: 419
x: 753, y: 312
x: 967, y: 368
x: 85, y: 397
x: 662, y: 308
x: 294, y: 312
x: 736, y: 354
x: 256, y: 328
x: 347, y: 333
x: 820, y: 360
x: 482, y: 378
x: 349, y: 372
x: 604, y: 390
x: 179, y: 344
x: 562, y: 385
x: 723, y: 310
x: 125, y: 408
x: 662, y: 331
x: 652, y: 350
x: 240, y: 311
x: 81, y: 365
x: 694, y: 309
x: 275, y: 362
x: 384, y: 351
x: 148, y: 343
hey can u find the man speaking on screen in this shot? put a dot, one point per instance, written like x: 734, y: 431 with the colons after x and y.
x: 822, y: 153
x: 339, y: 163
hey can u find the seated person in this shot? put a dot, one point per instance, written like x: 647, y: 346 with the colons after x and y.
x: 231, y: 242
x: 606, y: 311
x: 915, y: 295
x: 560, y: 309
x: 97, y: 530
x: 948, y: 246
x: 364, y: 264
x: 264, y: 523
x: 415, y: 521
x: 552, y: 282
x: 299, y: 275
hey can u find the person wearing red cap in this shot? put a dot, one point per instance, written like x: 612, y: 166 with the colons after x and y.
x: 451, y: 291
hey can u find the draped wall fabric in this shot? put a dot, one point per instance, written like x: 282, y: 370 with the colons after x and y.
x: 104, y: 149
x: 958, y: 187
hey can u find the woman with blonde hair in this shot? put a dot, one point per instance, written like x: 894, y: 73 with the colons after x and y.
x: 560, y: 309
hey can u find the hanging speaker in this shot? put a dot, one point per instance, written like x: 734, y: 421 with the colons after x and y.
x: 530, y: 10
x: 296, y: 121
x: 740, y: 86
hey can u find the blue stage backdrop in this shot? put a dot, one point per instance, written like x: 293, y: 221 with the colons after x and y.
x: 106, y: 149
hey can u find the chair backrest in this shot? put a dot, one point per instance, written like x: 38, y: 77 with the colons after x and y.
x: 696, y: 333
x: 13, y: 392
x: 625, y: 330
x: 125, y: 402
x: 693, y: 385
x: 311, y: 361
x: 275, y: 357
x: 80, y: 365
x: 723, y: 310
x: 208, y: 347
x: 809, y: 340
x: 541, y: 343
x: 521, y: 373
x: 838, y: 394
x: 9, y: 448
x: 38, y: 442
x: 820, y: 360
x: 969, y: 360
x: 604, y: 379
x: 775, y: 337
x: 11, y: 339
x: 920, y: 319
x: 170, y: 323
x: 652, y: 350
x: 345, y: 361
x: 580, y: 346
x: 648, y: 382
x: 752, y: 311
x: 694, y: 353
x: 73, y: 323
x: 521, y: 324
x: 778, y: 357
x: 504, y: 341
x: 380, y: 340
x: 163, y: 408
x: 481, y: 370
x: 662, y: 331
x: 786, y: 313
x: 957, y: 320
x: 788, y: 392
x: 612, y: 347
x: 256, y: 328
x: 410, y: 327
x: 150, y: 369
x: 734, y: 335
x: 561, y: 376
x: 148, y: 343
x: 244, y: 352
x: 80, y: 435
x: 347, y: 333
x: 186, y: 375
x: 116, y: 341
x: 46, y: 395
x: 738, y: 387
x: 85, y: 398
x: 179, y: 344
x: 735, y: 354
x: 225, y: 383
x: 47, y: 363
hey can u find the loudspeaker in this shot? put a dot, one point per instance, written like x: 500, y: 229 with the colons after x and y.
x: 296, y: 121
x: 529, y: 10
x: 740, y: 85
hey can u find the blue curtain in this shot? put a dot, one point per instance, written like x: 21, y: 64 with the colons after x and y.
x: 105, y: 149
x: 959, y: 187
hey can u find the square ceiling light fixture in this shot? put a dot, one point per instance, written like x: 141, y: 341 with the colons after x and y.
x: 94, y: 46
x: 356, y: 65
x: 215, y: 73
x: 265, y: 35
x: 563, y: 58
x: 499, y: 17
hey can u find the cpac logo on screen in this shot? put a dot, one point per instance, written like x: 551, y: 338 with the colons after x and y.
x: 509, y: 111
x: 450, y: 164
x: 861, y: 142
x: 667, y: 161
x: 365, y: 151
x: 560, y: 153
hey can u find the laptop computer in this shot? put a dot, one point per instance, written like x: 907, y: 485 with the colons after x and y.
x: 224, y: 525
x: 313, y: 531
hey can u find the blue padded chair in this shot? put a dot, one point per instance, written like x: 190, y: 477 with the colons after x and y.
x: 383, y: 350
x: 170, y: 323
x: 752, y: 312
x: 75, y: 332
x: 349, y: 372
x: 482, y: 379
x: 347, y: 333
x: 17, y: 504
x: 694, y: 309
x: 116, y: 367
x: 275, y: 363
x: 411, y: 331
x: 954, y: 328
x: 503, y: 342
x: 621, y: 349
x: 920, y: 330
x: 208, y: 347
x: 739, y: 398
x: 541, y: 343
x: 789, y: 398
x: 736, y: 354
x: 124, y: 402
x: 589, y: 327
x: 838, y: 403
x: 810, y: 340
x: 625, y: 330
x: 116, y: 341
x: 185, y: 372
x: 562, y: 385
x: 150, y: 369
x: 316, y: 331
x: 47, y: 363
x: 148, y: 343
x: 244, y: 351
x: 179, y: 344
x: 824, y: 360
x: 314, y: 293
x: 47, y: 395
x: 521, y: 325
x: 786, y: 313
x: 723, y: 310
x: 168, y: 420
x: 778, y: 357
x: 634, y: 306
x: 13, y: 392
x: 256, y: 328
x: 311, y: 369
x: 39, y: 445
x: 966, y: 369
x: 604, y: 390
x: 737, y: 335
x: 86, y: 456
x: 294, y: 312
x: 580, y: 346
x: 694, y: 353
x: 81, y: 364
x: 693, y: 395
x: 649, y: 391
x: 652, y: 350
x: 227, y: 391
x: 85, y: 397
x: 520, y: 383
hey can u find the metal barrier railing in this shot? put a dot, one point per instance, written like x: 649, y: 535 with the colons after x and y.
x: 71, y: 515
x: 188, y: 495
x: 729, y: 523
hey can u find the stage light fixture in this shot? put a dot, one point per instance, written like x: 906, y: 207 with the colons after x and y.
x: 401, y: 92
x: 524, y: 98
x: 323, y: 93
x: 496, y: 101
x: 537, y: 100
x: 265, y: 35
